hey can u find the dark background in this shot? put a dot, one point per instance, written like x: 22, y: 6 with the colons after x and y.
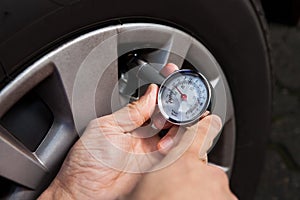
x: 280, y: 178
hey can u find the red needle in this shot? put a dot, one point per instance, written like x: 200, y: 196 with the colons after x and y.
x: 183, y: 96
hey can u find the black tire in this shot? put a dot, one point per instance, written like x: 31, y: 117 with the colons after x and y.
x: 230, y: 29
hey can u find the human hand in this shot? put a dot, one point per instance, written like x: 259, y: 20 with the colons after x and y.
x: 97, y: 166
x: 188, y: 177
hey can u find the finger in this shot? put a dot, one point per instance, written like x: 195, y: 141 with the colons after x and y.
x: 204, y: 133
x: 145, y: 131
x: 213, y: 131
x: 204, y: 159
x: 168, y: 69
x: 203, y: 137
x: 170, y: 140
x: 205, y: 114
x: 134, y: 114
x: 159, y: 122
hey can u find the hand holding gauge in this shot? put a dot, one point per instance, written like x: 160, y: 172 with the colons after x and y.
x: 184, y: 96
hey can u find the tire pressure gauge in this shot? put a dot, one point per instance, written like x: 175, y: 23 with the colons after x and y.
x: 184, y: 96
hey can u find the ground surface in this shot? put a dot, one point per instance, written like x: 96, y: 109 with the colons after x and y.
x: 280, y: 178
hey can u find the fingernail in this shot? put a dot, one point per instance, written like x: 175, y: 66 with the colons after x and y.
x: 205, y: 114
x: 151, y: 91
x: 166, y: 143
x: 148, y: 91
x: 168, y: 69
x: 159, y: 121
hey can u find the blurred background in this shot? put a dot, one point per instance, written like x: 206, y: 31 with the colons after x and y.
x: 280, y: 178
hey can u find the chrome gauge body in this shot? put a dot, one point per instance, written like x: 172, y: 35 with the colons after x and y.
x: 184, y: 96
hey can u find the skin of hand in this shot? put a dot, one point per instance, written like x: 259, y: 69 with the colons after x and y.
x: 188, y: 177
x: 86, y: 176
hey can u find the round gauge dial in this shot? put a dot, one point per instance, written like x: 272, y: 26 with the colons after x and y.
x: 184, y: 96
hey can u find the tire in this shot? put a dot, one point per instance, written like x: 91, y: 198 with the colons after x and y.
x: 230, y: 29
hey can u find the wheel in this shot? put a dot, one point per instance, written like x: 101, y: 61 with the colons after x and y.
x: 59, y: 56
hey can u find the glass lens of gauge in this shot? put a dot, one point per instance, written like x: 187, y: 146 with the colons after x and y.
x: 184, y: 96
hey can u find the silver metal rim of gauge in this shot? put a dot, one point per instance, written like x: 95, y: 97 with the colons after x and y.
x: 207, y: 102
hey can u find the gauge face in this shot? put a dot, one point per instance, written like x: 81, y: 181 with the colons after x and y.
x: 184, y: 96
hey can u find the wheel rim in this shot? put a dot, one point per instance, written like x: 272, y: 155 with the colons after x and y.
x: 89, y: 65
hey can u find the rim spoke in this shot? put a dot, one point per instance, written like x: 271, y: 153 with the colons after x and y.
x: 218, y: 85
x: 178, y: 48
x: 18, y: 163
x: 94, y: 81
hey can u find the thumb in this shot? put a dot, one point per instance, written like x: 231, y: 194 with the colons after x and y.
x: 204, y: 133
x: 194, y: 140
x: 137, y: 113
